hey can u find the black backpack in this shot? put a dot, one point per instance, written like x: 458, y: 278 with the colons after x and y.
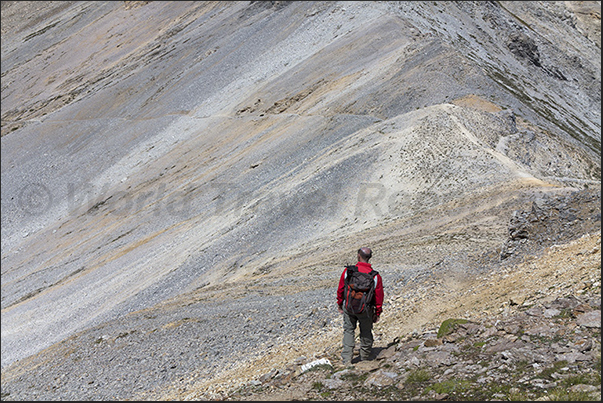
x: 359, y: 290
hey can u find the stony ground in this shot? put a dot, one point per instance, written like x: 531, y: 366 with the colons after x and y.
x: 531, y: 333
x: 248, y: 340
x: 550, y: 267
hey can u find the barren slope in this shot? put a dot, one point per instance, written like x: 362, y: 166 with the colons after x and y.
x: 156, y: 151
x: 569, y: 270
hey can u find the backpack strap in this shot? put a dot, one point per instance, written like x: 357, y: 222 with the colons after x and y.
x: 350, y: 269
x: 374, y: 273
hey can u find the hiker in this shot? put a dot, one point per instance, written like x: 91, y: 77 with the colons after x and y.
x: 356, y: 310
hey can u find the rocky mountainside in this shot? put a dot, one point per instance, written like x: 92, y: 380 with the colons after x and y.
x: 183, y: 182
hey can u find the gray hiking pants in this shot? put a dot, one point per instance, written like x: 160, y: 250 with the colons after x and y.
x: 365, y: 320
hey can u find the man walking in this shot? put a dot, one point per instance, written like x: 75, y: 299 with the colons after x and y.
x: 367, y: 317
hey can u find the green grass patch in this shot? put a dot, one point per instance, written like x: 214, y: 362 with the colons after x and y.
x: 451, y: 386
x: 564, y: 314
x: 321, y: 367
x: 418, y: 376
x: 517, y: 395
x: 448, y: 326
x: 354, y: 377
x: 563, y: 395
x: 581, y: 379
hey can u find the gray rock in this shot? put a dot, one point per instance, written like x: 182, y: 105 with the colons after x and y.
x: 590, y: 319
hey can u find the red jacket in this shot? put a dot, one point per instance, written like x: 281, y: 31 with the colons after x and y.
x: 365, y: 268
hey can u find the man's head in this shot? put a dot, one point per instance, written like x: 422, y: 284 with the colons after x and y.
x: 364, y: 254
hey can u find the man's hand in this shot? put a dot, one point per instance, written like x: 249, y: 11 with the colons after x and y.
x: 340, y: 308
x: 375, y: 318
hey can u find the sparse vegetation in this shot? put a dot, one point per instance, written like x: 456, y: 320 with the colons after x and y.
x: 511, y: 376
x: 452, y: 386
x: 448, y: 326
x: 418, y: 376
x: 322, y: 367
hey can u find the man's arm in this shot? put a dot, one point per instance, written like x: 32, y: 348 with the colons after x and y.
x: 379, y: 296
x: 340, y: 290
